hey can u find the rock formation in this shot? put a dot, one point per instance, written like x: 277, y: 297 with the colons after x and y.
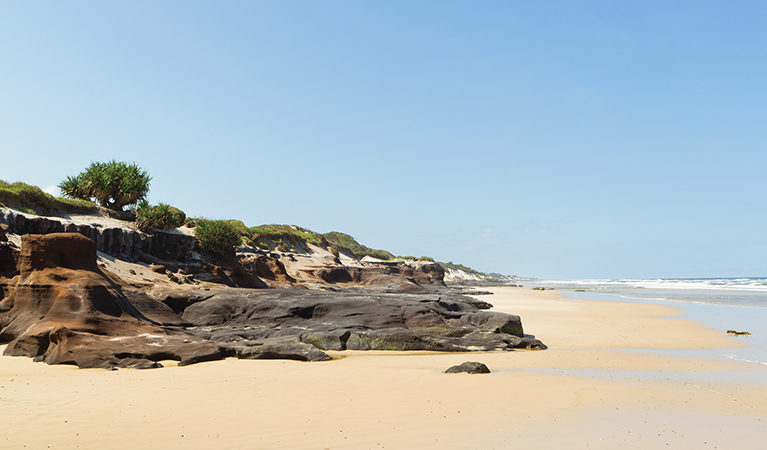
x: 355, y: 321
x: 63, y: 309
x: 410, y: 277
x: 59, y: 306
x: 120, y: 242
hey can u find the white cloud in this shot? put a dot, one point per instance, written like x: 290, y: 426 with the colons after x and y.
x: 53, y: 190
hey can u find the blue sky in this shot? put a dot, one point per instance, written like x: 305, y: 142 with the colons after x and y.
x: 556, y: 139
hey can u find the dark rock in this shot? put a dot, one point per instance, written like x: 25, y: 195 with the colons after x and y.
x: 281, y: 348
x: 333, y: 340
x: 476, y: 292
x: 357, y: 321
x: 739, y: 333
x: 178, y: 299
x: 481, y: 304
x: 495, y: 322
x: 469, y: 367
x: 8, y: 261
x: 399, y: 339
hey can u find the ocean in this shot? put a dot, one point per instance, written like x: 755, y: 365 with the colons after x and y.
x: 738, y: 304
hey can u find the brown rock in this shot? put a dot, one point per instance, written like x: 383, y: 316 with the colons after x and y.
x: 66, y: 310
x: 56, y: 250
x: 266, y: 267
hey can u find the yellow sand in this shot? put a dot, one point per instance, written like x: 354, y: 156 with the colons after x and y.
x: 533, y: 399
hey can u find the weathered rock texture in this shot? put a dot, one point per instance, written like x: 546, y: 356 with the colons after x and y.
x: 266, y: 267
x: 355, y: 321
x: 60, y: 307
x: 63, y: 309
x: 384, y: 276
x: 123, y: 243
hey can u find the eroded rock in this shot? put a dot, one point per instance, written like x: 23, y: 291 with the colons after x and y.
x: 65, y: 310
x: 358, y: 321
x: 62, y: 308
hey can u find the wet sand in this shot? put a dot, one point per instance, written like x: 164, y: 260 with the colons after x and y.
x: 604, y: 383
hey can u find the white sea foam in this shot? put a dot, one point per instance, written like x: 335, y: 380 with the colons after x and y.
x: 735, y: 358
x: 727, y: 284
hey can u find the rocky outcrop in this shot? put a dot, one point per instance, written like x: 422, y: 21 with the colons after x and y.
x: 354, y: 321
x: 265, y: 266
x: 124, y: 243
x: 60, y: 307
x: 65, y: 310
x: 407, y: 277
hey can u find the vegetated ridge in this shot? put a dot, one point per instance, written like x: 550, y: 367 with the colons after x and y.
x: 272, y: 237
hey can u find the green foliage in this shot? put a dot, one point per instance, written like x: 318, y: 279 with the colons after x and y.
x: 349, y: 245
x: 158, y: 217
x: 32, y: 199
x: 239, y: 226
x: 286, y: 237
x: 413, y: 258
x: 114, y: 184
x: 217, y: 236
x: 469, y: 270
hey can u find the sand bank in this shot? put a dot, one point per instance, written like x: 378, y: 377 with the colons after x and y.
x: 600, y: 385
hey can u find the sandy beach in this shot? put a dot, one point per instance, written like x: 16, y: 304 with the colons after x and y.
x: 616, y: 375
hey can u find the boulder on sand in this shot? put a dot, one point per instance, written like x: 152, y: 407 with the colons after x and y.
x: 469, y: 367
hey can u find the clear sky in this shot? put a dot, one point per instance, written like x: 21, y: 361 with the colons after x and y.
x: 553, y: 139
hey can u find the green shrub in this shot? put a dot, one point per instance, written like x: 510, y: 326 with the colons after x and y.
x: 469, y: 270
x: 239, y: 226
x: 348, y: 244
x: 113, y: 184
x: 32, y: 199
x: 217, y: 236
x: 158, y: 217
x: 292, y: 237
x: 413, y: 258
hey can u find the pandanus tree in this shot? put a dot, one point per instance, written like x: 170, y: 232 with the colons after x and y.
x: 113, y: 184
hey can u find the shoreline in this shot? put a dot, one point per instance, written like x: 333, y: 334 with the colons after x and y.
x: 586, y: 391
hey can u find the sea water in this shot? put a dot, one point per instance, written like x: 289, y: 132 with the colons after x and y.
x: 738, y: 304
